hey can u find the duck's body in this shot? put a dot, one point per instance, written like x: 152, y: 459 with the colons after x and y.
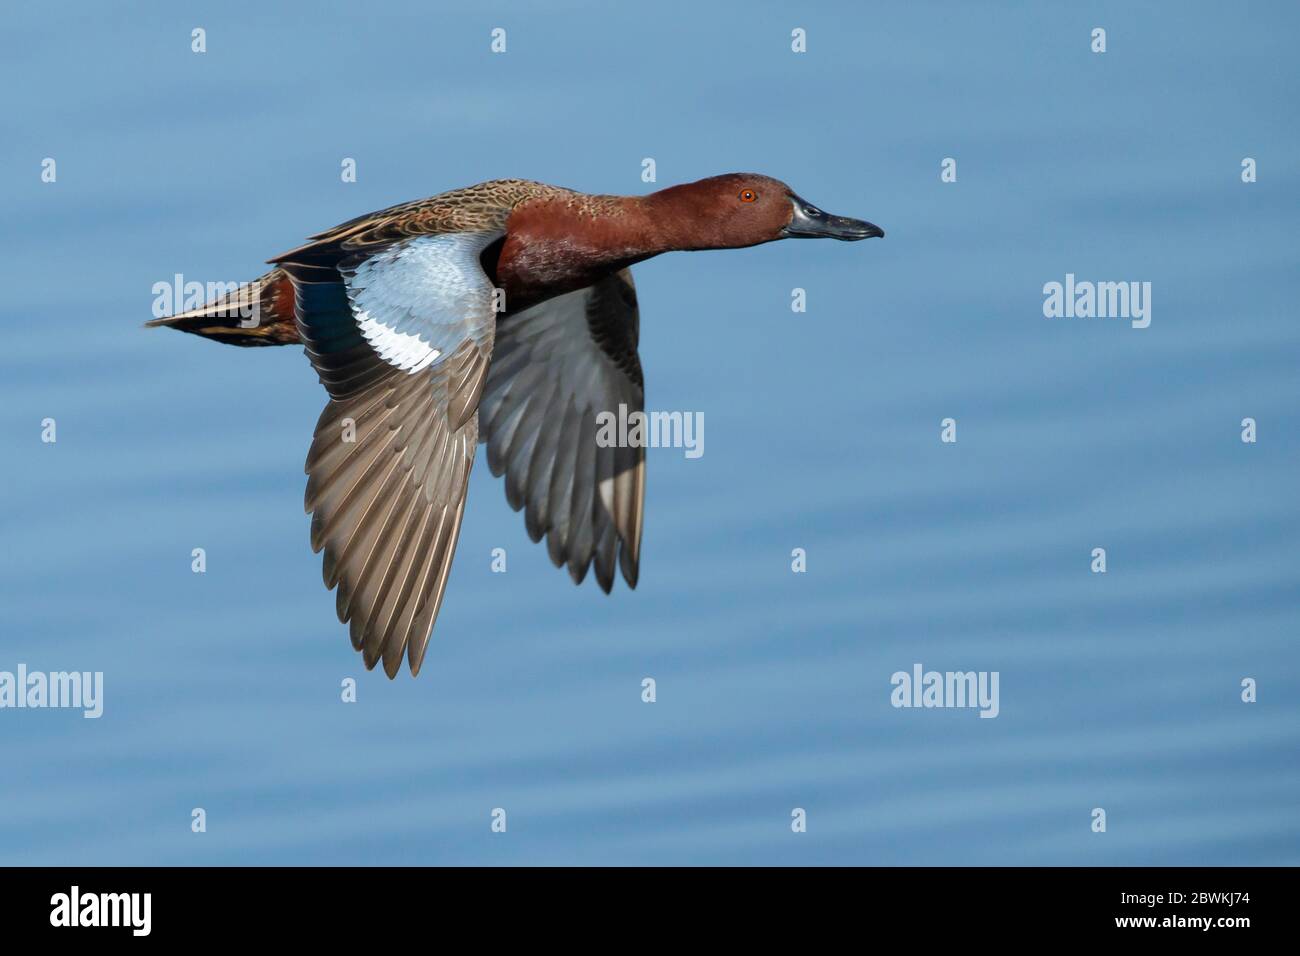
x: 503, y: 313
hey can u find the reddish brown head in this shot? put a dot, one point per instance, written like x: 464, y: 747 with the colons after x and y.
x: 560, y: 241
x: 744, y: 209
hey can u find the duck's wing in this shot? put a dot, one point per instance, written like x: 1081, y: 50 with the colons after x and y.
x: 556, y: 367
x: 401, y: 334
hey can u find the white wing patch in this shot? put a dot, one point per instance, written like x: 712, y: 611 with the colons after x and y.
x: 421, y: 298
x: 406, y: 350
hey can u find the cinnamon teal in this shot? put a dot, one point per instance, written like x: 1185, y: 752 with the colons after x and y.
x: 502, y: 313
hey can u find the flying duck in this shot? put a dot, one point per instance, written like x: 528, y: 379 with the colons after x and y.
x: 501, y: 313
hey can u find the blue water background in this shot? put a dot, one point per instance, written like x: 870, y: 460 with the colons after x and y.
x: 1119, y: 691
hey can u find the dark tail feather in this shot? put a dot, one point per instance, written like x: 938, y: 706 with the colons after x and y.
x: 257, y: 313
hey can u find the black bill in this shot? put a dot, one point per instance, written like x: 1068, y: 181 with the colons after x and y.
x: 809, y: 222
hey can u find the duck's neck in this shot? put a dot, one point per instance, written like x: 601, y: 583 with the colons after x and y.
x: 560, y: 244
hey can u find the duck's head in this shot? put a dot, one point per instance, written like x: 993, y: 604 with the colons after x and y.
x: 744, y: 209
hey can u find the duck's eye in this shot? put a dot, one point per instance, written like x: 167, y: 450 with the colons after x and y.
x: 748, y: 195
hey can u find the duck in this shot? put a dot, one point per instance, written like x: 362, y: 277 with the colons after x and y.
x: 501, y: 314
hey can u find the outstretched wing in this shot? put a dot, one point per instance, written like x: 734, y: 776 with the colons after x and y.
x: 556, y: 367
x: 401, y: 336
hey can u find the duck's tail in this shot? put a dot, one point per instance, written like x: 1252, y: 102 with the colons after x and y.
x: 253, y: 313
